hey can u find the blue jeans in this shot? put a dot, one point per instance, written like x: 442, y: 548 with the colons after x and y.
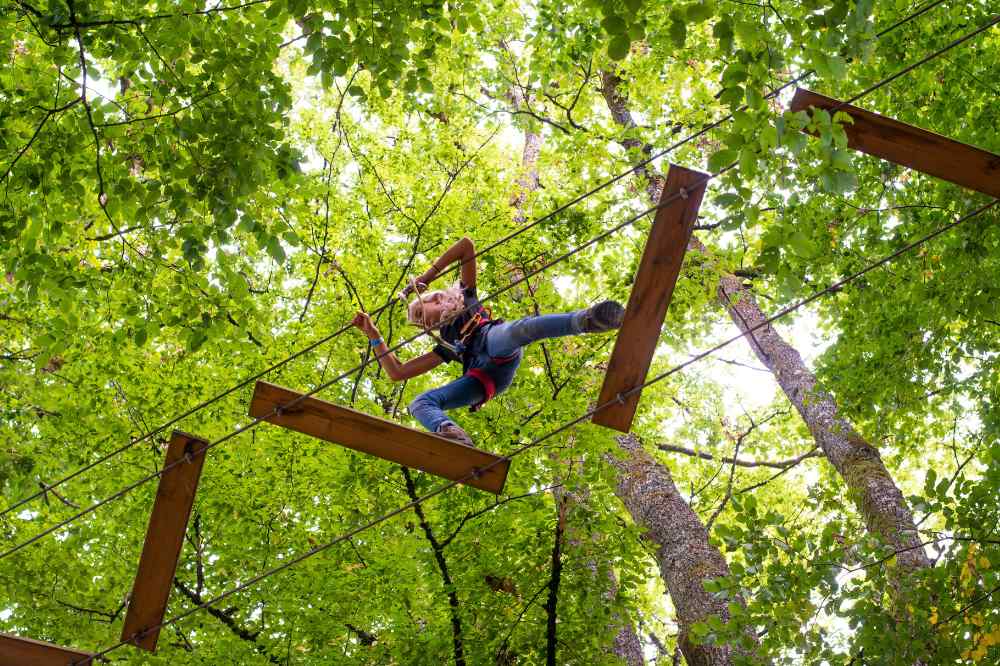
x: 501, y: 340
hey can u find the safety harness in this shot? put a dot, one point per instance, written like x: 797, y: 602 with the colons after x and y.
x: 479, y: 319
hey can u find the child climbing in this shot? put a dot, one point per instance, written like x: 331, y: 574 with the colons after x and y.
x: 488, y: 349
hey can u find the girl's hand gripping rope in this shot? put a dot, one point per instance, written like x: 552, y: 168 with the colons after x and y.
x: 412, y: 288
x: 364, y: 323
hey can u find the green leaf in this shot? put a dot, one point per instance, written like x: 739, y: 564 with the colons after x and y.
x: 801, y: 245
x: 698, y: 12
x: 748, y: 163
x: 842, y: 160
x: 844, y: 182
x: 837, y: 66
x: 723, y: 32
x: 733, y: 96
x: 768, y: 137
x: 614, y: 25
x: 275, y: 250
x: 619, y: 47
x: 274, y: 9
x: 733, y: 74
x: 196, y: 339
x: 678, y: 32
x: 728, y: 200
x: 721, y: 159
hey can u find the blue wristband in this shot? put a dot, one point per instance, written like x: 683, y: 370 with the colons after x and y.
x: 376, y: 342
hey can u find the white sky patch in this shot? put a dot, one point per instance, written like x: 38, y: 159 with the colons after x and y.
x: 313, y: 160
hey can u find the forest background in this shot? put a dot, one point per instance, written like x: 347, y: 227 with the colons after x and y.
x: 193, y: 192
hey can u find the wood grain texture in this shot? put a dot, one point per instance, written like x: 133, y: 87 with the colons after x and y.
x: 16, y: 651
x: 651, y: 293
x: 380, y: 437
x: 911, y: 146
x: 164, y: 540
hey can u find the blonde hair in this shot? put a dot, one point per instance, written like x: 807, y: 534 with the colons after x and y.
x: 454, y: 302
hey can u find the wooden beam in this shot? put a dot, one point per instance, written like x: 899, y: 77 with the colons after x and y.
x: 164, y: 540
x: 911, y: 146
x: 16, y: 651
x: 379, y: 437
x: 651, y: 293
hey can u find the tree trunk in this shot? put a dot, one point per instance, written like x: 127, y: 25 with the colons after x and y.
x: 683, y: 553
x: 528, y: 181
x: 880, y: 502
x: 882, y: 505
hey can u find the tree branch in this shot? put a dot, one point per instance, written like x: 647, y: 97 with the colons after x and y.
x: 55, y: 494
x: 366, y: 638
x: 475, y: 514
x: 48, y: 114
x: 449, y: 586
x: 108, y: 617
x: 552, y: 603
x: 777, y: 464
x: 502, y: 651
x: 229, y: 622
x: 154, y: 17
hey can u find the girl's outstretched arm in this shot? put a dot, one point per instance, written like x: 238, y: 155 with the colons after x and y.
x: 463, y: 251
x: 396, y: 370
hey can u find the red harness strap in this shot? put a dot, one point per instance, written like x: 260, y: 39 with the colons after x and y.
x: 489, y: 386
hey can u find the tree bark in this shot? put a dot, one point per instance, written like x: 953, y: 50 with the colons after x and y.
x: 618, y: 106
x: 882, y: 505
x: 880, y: 502
x: 683, y: 553
x: 528, y: 181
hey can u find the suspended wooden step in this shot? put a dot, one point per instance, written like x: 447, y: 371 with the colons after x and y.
x: 16, y: 651
x: 380, y: 437
x: 911, y: 146
x: 164, y: 539
x: 651, y: 293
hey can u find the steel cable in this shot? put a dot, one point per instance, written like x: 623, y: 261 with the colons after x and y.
x: 275, y: 411
x: 534, y: 443
x: 641, y: 164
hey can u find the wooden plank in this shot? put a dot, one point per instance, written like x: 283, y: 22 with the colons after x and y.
x: 380, y: 437
x: 651, y: 293
x: 911, y: 146
x: 164, y: 540
x: 16, y: 651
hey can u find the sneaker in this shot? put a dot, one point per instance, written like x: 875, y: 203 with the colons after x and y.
x: 604, y: 316
x: 452, y: 431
